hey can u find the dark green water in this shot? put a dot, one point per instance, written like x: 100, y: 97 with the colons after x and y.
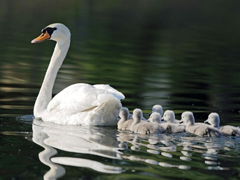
x: 183, y: 55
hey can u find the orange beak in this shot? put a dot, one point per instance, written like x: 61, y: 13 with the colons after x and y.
x: 41, y: 38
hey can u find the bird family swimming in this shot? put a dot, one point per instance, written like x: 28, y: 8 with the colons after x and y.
x: 80, y: 104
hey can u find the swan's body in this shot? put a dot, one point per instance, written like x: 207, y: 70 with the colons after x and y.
x: 214, y: 120
x: 78, y: 104
x: 143, y: 127
x: 199, y: 129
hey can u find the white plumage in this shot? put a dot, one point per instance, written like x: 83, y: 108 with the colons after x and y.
x: 78, y: 104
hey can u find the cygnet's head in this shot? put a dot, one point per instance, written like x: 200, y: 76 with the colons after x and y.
x: 157, y: 108
x: 123, y: 114
x: 155, y: 117
x: 137, y: 114
x: 169, y: 116
x: 56, y: 32
x: 188, y: 118
x: 213, y: 119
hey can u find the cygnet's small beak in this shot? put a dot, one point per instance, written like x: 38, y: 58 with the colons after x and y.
x: 206, y: 121
x: 181, y: 121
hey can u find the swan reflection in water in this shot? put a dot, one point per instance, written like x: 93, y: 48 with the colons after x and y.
x: 113, y: 144
x: 94, y: 140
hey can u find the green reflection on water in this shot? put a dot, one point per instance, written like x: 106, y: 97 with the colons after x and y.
x: 183, y: 55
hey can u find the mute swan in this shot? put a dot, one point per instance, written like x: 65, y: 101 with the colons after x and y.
x: 200, y: 129
x: 78, y: 104
x: 143, y: 127
x: 169, y: 127
x: 214, y: 121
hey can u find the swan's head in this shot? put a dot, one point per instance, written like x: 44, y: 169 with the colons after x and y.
x: 169, y: 116
x: 188, y: 118
x: 56, y: 32
x: 213, y: 119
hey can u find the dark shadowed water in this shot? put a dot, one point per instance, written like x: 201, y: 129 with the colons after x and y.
x: 183, y: 55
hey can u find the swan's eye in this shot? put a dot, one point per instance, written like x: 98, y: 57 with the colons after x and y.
x: 50, y: 30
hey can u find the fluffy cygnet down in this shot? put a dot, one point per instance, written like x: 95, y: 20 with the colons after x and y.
x: 169, y: 127
x: 144, y: 127
x: 214, y: 121
x: 130, y: 116
x: 157, y: 108
x: 124, y: 123
x: 169, y: 116
x: 200, y: 129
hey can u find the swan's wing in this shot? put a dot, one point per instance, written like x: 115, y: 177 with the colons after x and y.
x: 82, y: 97
x: 108, y: 88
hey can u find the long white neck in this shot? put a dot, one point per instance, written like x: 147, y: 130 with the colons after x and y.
x: 45, y: 93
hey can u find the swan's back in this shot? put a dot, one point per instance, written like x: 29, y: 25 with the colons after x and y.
x: 84, y: 104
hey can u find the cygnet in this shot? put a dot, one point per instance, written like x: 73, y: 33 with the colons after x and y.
x: 199, y: 129
x: 214, y: 121
x: 169, y: 127
x: 169, y: 116
x: 124, y: 123
x: 143, y: 127
x: 157, y: 108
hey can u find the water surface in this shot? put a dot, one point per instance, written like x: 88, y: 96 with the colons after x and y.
x: 182, y: 55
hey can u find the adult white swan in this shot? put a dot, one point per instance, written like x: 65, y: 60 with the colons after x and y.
x: 78, y: 104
